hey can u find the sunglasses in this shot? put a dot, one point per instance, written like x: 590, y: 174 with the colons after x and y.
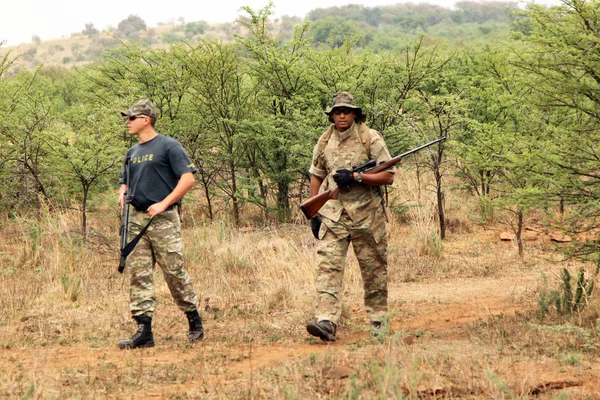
x: 134, y: 117
x: 342, y: 110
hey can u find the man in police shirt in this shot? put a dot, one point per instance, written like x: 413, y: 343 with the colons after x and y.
x: 160, y: 175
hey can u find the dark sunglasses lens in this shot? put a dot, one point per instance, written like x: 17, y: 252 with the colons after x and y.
x: 344, y: 111
x: 131, y: 117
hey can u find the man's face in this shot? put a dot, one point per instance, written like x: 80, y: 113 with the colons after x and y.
x: 343, y: 117
x: 136, y: 123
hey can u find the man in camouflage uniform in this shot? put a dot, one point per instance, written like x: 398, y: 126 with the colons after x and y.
x: 357, y: 216
x: 160, y: 175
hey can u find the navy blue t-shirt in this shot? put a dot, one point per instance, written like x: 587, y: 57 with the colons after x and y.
x: 154, y: 170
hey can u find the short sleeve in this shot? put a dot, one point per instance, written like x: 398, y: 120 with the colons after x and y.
x: 379, y: 149
x: 317, y: 167
x: 180, y: 162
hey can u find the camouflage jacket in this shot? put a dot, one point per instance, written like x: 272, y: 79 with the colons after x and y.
x: 346, y: 150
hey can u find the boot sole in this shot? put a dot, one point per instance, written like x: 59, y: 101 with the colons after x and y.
x: 194, y: 337
x: 128, y: 346
x: 315, y: 330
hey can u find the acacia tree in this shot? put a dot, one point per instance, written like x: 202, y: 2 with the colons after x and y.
x: 436, y: 110
x: 26, y: 111
x: 562, y: 61
x: 284, y: 101
x: 136, y: 71
x: 82, y: 151
x: 220, y: 96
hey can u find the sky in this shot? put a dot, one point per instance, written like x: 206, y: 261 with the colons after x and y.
x: 20, y: 20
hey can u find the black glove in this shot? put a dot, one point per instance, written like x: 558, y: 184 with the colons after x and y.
x: 315, y: 225
x: 344, y: 178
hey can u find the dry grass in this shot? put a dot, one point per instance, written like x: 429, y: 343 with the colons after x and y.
x: 463, y: 321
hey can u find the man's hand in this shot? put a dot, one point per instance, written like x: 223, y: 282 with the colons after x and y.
x: 344, y: 178
x: 157, y: 208
x: 122, y: 191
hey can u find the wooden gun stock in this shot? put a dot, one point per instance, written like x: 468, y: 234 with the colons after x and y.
x: 311, y: 207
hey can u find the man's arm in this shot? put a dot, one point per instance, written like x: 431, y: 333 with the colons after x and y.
x: 315, y: 184
x: 186, y: 181
x: 377, y: 179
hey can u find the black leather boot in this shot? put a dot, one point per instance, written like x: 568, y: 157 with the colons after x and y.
x: 196, y: 331
x: 143, y: 337
x: 325, y: 330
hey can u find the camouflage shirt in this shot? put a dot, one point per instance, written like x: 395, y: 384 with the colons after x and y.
x: 346, y: 150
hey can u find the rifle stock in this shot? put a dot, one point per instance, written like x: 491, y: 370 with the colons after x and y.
x: 311, y: 207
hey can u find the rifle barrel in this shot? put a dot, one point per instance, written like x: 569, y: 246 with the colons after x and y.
x: 393, y: 161
x: 311, y: 207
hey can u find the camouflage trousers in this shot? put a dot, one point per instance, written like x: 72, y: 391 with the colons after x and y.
x: 160, y: 244
x: 370, y: 246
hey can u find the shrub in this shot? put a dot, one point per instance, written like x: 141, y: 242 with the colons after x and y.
x: 131, y: 24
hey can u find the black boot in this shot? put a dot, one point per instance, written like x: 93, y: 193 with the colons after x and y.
x: 143, y: 337
x: 196, y: 331
x: 322, y: 329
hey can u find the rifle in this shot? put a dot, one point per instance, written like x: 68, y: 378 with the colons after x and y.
x: 127, y: 248
x: 124, y: 231
x: 311, y: 207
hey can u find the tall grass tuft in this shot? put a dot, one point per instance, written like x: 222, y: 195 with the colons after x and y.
x: 565, y: 299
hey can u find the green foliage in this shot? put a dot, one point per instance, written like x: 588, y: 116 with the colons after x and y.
x: 522, y: 127
x: 336, y: 31
x: 561, y: 74
x: 194, y: 28
x: 381, y: 27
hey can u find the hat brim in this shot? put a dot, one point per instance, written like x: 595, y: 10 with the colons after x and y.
x: 352, y: 106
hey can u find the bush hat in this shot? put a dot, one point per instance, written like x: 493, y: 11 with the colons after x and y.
x: 141, y: 107
x: 345, y: 99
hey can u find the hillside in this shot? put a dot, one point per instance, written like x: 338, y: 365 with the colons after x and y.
x: 377, y: 28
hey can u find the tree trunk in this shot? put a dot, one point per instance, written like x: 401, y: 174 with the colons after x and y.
x: 86, y: 189
x: 519, y: 232
x: 283, y: 202
x: 234, y: 199
x: 440, y: 203
x: 208, y: 201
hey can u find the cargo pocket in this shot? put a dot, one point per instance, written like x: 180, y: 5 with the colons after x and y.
x: 175, y: 256
x: 378, y: 227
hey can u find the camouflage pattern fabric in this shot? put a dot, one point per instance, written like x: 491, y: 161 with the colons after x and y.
x: 372, y: 259
x: 346, y: 150
x: 141, y: 107
x: 345, y: 99
x: 356, y: 217
x: 161, y: 244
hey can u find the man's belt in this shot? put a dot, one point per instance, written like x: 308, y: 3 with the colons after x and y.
x: 139, y: 207
x: 172, y: 206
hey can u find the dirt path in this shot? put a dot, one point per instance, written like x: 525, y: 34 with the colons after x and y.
x: 441, y: 308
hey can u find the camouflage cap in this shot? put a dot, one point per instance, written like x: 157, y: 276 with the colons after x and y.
x: 141, y: 107
x: 345, y: 99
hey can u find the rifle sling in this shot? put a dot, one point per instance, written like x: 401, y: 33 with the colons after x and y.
x: 131, y: 245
